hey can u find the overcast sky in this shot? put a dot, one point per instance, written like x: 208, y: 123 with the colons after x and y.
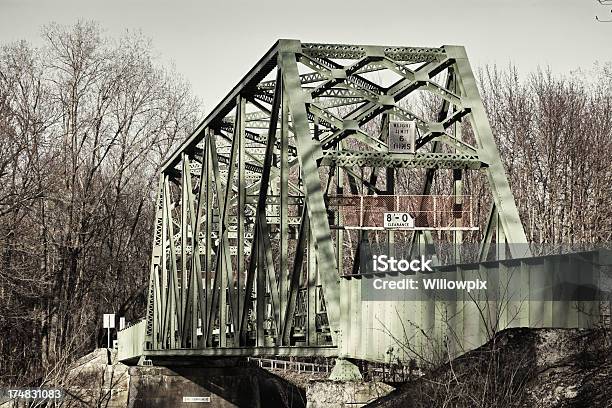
x: 213, y: 44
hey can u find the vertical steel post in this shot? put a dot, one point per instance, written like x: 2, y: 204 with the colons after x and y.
x: 154, y: 300
x: 284, y: 203
x: 311, y: 295
x: 458, y: 191
x: 338, y: 218
x: 174, y: 325
x: 185, y: 180
x: 261, y: 291
x: 239, y: 125
x: 164, y: 265
x: 208, y: 264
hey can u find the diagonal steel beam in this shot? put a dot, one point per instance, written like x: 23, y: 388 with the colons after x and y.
x: 261, y: 220
x: 309, y: 151
x: 294, y: 278
x: 214, y: 119
x: 502, y: 195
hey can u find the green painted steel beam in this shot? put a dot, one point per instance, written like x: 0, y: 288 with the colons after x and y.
x: 308, y: 152
x: 402, y: 160
x: 294, y: 278
x: 261, y: 166
x: 293, y: 351
x: 502, y: 195
x: 264, y: 66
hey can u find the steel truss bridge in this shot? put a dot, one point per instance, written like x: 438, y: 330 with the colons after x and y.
x: 261, y: 212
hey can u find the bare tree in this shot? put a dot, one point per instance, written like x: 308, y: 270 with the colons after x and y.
x: 552, y: 132
x: 85, y: 122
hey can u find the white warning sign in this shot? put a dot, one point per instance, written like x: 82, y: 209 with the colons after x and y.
x: 398, y: 220
x: 402, y: 135
x: 108, y: 320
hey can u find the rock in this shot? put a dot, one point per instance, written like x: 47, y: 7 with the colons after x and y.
x: 519, y: 368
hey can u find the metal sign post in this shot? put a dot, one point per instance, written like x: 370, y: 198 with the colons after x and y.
x: 108, y: 322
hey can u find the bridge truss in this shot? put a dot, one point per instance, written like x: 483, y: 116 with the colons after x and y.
x: 255, y: 210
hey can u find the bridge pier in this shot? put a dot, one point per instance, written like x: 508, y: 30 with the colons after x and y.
x: 222, y: 382
x: 344, y: 370
x: 340, y: 394
x: 345, y: 387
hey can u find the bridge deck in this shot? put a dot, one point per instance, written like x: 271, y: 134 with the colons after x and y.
x: 282, y: 351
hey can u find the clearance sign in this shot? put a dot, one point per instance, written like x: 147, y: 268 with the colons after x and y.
x: 398, y: 220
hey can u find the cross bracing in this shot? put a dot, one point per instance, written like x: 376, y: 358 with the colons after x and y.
x: 249, y: 249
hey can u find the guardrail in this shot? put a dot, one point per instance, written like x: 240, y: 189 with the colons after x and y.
x: 373, y: 371
x: 299, y: 366
x: 130, y: 341
x: 132, y: 323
